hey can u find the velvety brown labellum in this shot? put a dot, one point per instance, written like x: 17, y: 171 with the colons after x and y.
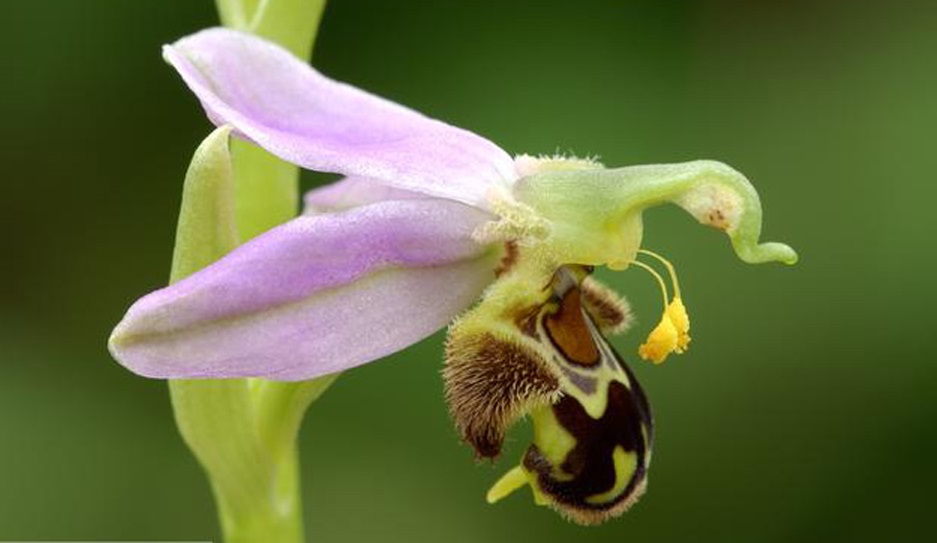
x: 548, y: 352
x: 588, y: 469
x: 577, y: 487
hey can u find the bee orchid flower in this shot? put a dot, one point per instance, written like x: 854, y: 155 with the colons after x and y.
x: 433, y: 225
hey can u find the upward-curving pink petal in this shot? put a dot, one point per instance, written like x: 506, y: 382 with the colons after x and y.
x: 277, y: 101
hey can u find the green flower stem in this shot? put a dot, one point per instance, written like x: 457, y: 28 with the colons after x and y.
x: 278, y: 518
x: 267, y: 188
x: 253, y: 472
x: 291, y: 23
x: 244, y: 431
x: 255, y: 483
x: 281, y: 406
x: 217, y: 418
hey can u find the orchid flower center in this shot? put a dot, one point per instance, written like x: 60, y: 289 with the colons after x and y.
x: 536, y: 342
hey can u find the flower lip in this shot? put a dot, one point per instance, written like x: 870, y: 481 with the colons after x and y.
x: 283, y: 105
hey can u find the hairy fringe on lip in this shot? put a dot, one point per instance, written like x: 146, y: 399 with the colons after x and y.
x: 490, y: 382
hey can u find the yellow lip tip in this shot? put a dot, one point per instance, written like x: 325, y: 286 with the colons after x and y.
x: 507, y: 484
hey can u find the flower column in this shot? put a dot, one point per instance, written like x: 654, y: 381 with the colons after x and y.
x: 243, y: 431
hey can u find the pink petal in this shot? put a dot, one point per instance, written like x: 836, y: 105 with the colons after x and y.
x: 317, y: 295
x: 286, y: 107
x: 353, y: 192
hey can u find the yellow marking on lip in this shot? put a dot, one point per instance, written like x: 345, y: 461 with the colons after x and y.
x: 626, y: 463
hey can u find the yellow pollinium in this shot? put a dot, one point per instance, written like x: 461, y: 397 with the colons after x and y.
x: 672, y: 334
x: 676, y: 311
x: 660, y: 342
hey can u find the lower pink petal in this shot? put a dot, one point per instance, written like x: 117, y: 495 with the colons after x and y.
x: 316, y: 295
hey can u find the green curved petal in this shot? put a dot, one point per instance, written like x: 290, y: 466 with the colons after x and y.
x: 595, y: 213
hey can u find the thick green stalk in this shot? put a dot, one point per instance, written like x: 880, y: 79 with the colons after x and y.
x: 291, y: 23
x: 253, y: 474
x: 267, y: 188
x: 255, y: 481
x: 244, y: 431
x: 280, y: 406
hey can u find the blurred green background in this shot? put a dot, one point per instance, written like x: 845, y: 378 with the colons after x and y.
x: 804, y: 412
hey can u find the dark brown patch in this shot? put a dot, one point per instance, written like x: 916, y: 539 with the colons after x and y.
x: 589, y: 465
x: 489, y: 383
x: 717, y: 219
x: 569, y: 332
